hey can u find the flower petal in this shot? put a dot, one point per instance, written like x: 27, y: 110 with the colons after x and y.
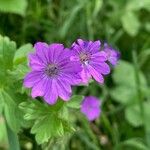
x: 83, y: 44
x: 71, y: 67
x: 39, y: 88
x: 85, y: 75
x: 74, y: 58
x: 55, y: 50
x: 97, y: 76
x: 90, y: 107
x: 32, y: 78
x: 102, y: 68
x: 64, y: 90
x: 35, y: 63
x: 112, y: 54
x: 65, y: 55
x: 42, y: 51
x: 95, y: 46
x: 113, y: 60
x: 92, y: 115
x: 52, y: 94
x: 99, y: 56
x: 76, y: 48
x: 72, y: 78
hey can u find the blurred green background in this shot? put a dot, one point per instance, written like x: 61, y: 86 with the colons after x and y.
x: 125, y: 24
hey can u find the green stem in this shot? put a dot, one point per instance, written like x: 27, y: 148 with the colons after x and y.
x: 105, y: 120
x: 110, y: 129
x: 89, y: 21
x: 90, y: 133
x: 12, y: 139
x: 140, y: 97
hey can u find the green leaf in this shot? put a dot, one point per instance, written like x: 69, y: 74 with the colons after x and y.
x: 33, y: 109
x: 124, y: 77
x: 48, y: 120
x: 97, y: 8
x: 134, y: 143
x: 20, y: 71
x: 133, y: 115
x: 22, y: 54
x: 75, y: 101
x: 124, y: 74
x: 3, y: 135
x: 46, y: 127
x: 144, y: 56
x: 13, y: 6
x: 69, y: 21
x: 124, y: 95
x: 147, y: 115
x: 1, y: 102
x: 7, y: 50
x: 12, y: 139
x: 130, y: 23
x: 147, y: 26
x: 135, y: 5
x: 12, y: 114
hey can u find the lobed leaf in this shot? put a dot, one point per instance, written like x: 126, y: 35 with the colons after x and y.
x: 130, y: 23
x: 135, y: 5
x: 124, y: 95
x: 13, y: 115
x: 134, y: 116
x: 13, y: 6
x: 48, y: 120
x: 7, y: 51
x: 75, y: 101
x: 22, y: 54
x: 124, y: 74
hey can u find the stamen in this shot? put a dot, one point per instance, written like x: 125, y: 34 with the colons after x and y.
x: 84, y: 58
x: 51, y: 70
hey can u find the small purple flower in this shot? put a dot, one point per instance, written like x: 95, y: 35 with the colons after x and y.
x: 52, y: 72
x: 91, y: 59
x: 91, y: 107
x: 112, y: 55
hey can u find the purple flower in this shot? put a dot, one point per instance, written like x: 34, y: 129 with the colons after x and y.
x: 91, y: 107
x: 91, y: 59
x: 52, y: 72
x: 112, y: 55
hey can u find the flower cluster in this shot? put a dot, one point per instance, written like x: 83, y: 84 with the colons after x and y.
x: 54, y: 69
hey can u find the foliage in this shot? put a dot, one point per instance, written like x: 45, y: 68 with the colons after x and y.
x: 124, y: 121
x: 47, y: 122
x: 13, y: 6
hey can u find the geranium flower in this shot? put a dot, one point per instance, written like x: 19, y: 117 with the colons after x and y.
x: 112, y: 54
x: 52, y: 72
x: 92, y: 60
x: 90, y: 107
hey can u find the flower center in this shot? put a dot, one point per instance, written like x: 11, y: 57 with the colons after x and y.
x: 51, y: 70
x: 84, y: 58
